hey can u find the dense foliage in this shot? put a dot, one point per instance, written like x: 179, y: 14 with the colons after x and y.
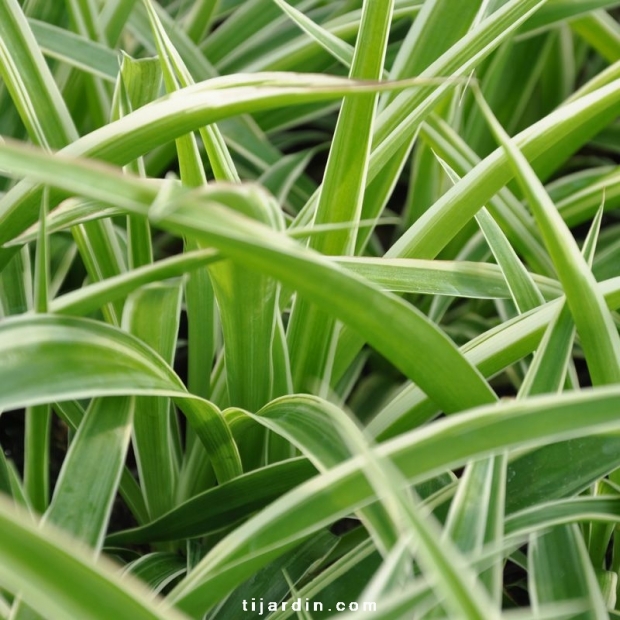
x: 309, y: 301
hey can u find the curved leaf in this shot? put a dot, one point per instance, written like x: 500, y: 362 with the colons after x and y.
x: 50, y: 359
x: 67, y: 584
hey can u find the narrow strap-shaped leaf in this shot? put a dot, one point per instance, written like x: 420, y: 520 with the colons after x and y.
x: 561, y: 10
x: 421, y: 47
x: 72, y: 414
x: 595, y: 326
x: 83, y: 17
x: 394, y: 572
x: 582, y: 203
x: 157, y: 570
x: 601, y: 31
x: 395, y: 136
x: 67, y: 585
x: 91, y: 472
x: 199, y: 18
x: 548, y: 548
x: 279, y: 179
x: 527, y: 62
x: 42, y: 263
x: 217, y: 151
x: 190, y: 164
x: 87, y: 299
x: 114, y: 16
x: 419, y: 50
x: 482, y: 486
x: 459, y: 278
x: 523, y: 291
x: 399, y: 121
x: 317, y: 428
x: 415, y: 597
x: 37, y: 432
x: 310, y: 331
x: 548, y: 368
x: 33, y: 89
x: 73, y: 49
x: 216, y: 508
x: 505, y: 207
x: 574, y: 509
x: 549, y: 555
x: 153, y: 314
x: 248, y: 305
x: 30, y: 82
x: 17, y: 490
x: 16, y: 294
x: 38, y: 422
x: 338, y: 48
x: 102, y: 256
x: 137, y: 84
x: 325, y: 281
x: 82, y: 211
x: 438, y: 277
x: 242, y: 135
x: 5, y: 476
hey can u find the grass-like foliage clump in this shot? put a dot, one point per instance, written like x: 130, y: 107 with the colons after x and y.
x: 309, y: 309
